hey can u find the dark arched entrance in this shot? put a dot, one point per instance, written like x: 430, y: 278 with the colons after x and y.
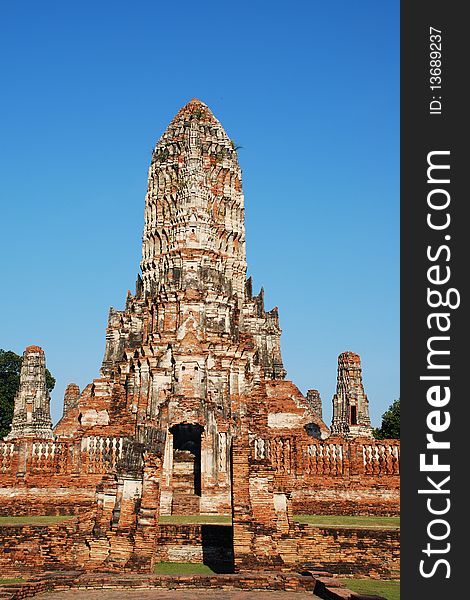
x: 187, y: 451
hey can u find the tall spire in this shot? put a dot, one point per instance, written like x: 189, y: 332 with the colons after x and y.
x: 31, y: 416
x: 194, y: 231
x: 350, y: 404
x: 193, y: 284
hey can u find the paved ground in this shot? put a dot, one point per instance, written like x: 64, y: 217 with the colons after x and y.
x: 153, y: 594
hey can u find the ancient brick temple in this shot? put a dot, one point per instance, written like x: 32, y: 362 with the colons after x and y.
x: 192, y: 413
x: 32, y: 415
x: 350, y: 404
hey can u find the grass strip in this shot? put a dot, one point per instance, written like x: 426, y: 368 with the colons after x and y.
x: 379, y: 587
x: 349, y: 521
x: 35, y: 519
x: 196, y: 519
x: 167, y: 568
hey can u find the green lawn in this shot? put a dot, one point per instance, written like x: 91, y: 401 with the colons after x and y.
x: 196, y: 519
x: 35, y: 520
x: 349, y: 521
x: 166, y: 568
x: 385, y: 588
x: 12, y: 580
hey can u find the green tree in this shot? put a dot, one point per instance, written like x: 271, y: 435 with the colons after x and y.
x: 10, y: 368
x: 390, y: 429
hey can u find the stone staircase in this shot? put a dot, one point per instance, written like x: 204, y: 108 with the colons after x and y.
x: 185, y: 501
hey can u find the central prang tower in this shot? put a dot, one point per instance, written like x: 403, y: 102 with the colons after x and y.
x: 192, y: 413
x: 194, y: 232
x: 193, y: 353
x: 193, y: 251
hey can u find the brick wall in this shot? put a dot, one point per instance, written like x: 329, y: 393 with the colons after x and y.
x: 265, y: 535
x: 208, y: 544
x: 337, y: 550
x: 342, y: 550
x: 60, y: 500
x: 334, y: 476
x: 42, y: 477
x: 38, y: 548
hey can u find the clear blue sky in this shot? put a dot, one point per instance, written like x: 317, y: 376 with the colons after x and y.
x: 310, y: 90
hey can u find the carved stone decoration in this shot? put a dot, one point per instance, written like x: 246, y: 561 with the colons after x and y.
x: 192, y: 414
x: 32, y: 416
x: 314, y: 400
x: 350, y: 403
x: 71, y: 397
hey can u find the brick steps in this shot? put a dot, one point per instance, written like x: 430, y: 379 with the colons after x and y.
x: 185, y: 501
x: 246, y: 581
x: 193, y: 543
x: 184, y: 504
x: 326, y: 588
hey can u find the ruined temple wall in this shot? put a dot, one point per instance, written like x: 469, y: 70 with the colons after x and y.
x: 337, y: 550
x: 62, y: 498
x: 102, y: 410
x: 32, y: 549
x: 54, y: 477
x: 39, y: 457
x: 333, y: 476
x: 278, y: 408
x: 194, y: 543
x: 118, y: 532
x: 345, y: 550
x: 357, y: 500
x: 270, y: 485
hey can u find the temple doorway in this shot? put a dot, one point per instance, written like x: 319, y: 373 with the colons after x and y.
x: 186, y: 468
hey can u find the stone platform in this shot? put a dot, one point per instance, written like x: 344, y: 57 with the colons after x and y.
x: 152, y: 594
x: 240, y: 586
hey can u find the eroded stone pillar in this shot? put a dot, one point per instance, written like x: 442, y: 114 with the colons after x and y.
x: 314, y: 400
x: 166, y: 493
x: 71, y: 397
x: 32, y: 416
x: 350, y: 403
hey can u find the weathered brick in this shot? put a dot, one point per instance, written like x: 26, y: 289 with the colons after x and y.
x: 192, y: 412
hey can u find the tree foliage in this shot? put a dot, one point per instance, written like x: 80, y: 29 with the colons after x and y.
x: 390, y: 429
x: 10, y: 368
